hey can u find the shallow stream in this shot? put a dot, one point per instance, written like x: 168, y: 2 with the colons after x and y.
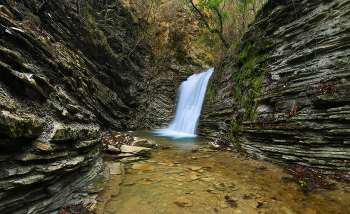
x: 188, y: 177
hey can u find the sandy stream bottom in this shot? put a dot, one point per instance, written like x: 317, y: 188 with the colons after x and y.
x: 176, y: 180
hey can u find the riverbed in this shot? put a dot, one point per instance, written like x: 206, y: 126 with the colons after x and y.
x: 186, y: 176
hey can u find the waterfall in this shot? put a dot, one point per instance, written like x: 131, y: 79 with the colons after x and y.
x: 190, y: 99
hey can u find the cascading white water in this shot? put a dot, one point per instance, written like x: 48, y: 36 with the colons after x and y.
x: 190, y: 99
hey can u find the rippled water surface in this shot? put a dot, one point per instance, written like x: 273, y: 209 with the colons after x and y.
x: 179, y: 180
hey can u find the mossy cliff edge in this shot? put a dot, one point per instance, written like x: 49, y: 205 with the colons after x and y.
x: 283, y: 92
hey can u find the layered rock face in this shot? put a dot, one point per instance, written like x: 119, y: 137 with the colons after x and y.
x: 284, y: 93
x: 66, y: 69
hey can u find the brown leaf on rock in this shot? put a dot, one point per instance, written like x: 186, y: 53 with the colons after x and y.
x: 230, y: 202
x: 246, y: 197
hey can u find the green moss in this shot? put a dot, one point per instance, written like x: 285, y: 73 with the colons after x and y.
x: 209, y: 134
x: 328, y: 95
x: 98, y: 185
x: 241, y: 149
x: 281, y: 104
x: 236, y: 129
x: 250, y: 76
x: 7, y: 103
x: 81, y: 63
x: 64, y: 49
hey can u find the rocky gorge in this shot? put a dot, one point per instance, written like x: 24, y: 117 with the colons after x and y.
x: 70, y: 70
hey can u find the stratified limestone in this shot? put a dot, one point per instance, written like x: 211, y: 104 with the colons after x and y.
x: 285, y: 94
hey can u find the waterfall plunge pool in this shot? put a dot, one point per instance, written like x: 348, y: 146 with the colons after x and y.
x: 185, y: 176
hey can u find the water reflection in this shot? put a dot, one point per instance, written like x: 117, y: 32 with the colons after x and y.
x: 171, y: 138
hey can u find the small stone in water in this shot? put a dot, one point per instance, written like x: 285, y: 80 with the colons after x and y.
x: 195, y: 168
x: 220, y: 187
x: 194, y: 177
x: 144, y: 181
x: 223, y: 205
x: 206, y: 179
x: 128, y: 183
x: 183, y: 202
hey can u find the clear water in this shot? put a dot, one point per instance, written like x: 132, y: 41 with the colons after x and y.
x: 190, y: 99
x: 154, y: 186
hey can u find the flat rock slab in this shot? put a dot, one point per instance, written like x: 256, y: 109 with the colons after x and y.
x: 136, y: 150
x: 131, y: 159
x: 115, y: 168
x: 113, y: 149
x: 143, y: 143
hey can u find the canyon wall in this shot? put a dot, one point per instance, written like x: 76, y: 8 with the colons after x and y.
x: 67, y: 70
x: 283, y: 94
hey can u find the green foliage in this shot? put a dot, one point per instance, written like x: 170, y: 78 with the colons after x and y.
x: 302, y: 183
x: 211, y: 21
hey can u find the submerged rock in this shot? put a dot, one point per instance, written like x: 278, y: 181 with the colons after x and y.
x: 183, y: 202
x: 220, y: 187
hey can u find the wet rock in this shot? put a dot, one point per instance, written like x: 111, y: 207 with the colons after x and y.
x: 195, y: 168
x: 97, y: 185
x: 143, y: 143
x: 206, y: 179
x: 128, y: 183
x: 113, y: 149
x: 144, y: 181
x: 136, y: 150
x: 220, y: 187
x: 183, y: 202
x: 223, y: 205
x: 115, y: 168
x: 131, y: 159
x: 126, y: 155
x: 194, y: 177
